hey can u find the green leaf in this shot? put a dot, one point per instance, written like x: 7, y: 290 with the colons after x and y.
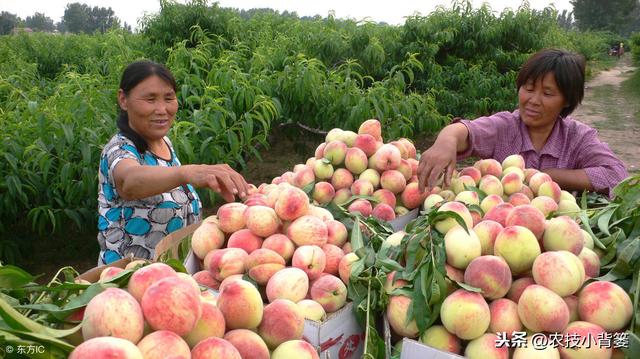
x: 356, y: 235
x: 19, y: 322
x: 13, y: 277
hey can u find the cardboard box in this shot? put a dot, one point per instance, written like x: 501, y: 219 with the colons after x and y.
x: 412, y: 349
x: 339, y: 336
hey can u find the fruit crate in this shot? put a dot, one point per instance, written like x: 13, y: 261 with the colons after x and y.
x: 412, y: 349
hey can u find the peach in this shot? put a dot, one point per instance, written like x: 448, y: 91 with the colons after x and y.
x: 206, y: 238
x: 292, y: 203
x: 462, y: 183
x: 400, y: 210
x: 504, y: 317
x: 210, y: 324
x: 228, y: 280
x: 335, y: 151
x: 432, y: 200
x: 134, y: 265
x: 109, y: 273
x: 333, y: 135
x: 311, y: 310
x: 308, y: 230
x: 398, y: 316
x: 113, y: 312
x: 518, y: 246
x: 214, y: 347
x: 310, y: 162
x: 591, y: 262
x: 583, y: 342
x: 257, y: 199
x: 262, y: 221
x: 246, y: 239
x: 605, y: 304
x: 411, y: 148
x: 412, y: 197
x: 487, y: 232
x: 341, y: 178
x: 298, y: 349
x: 465, y: 314
x: 106, y: 347
x: 518, y: 199
x: 406, y: 169
x: 346, y: 248
x: 330, y: 292
x: 342, y: 196
x: 461, y: 247
x: 538, y: 179
x: 386, y: 158
x: 348, y: 137
x: 472, y: 172
x: 443, y: 226
x: 262, y: 264
x: 323, y: 192
x: 248, y: 344
x: 225, y: 262
x: 392, y: 283
x: 231, y: 217
x: 333, y: 254
x: 489, y: 273
x: 385, y: 196
x: 486, y: 347
x: 311, y: 259
x: 336, y: 232
x: 527, y: 192
x: 513, y: 161
x: 563, y: 233
x: 529, y: 217
x: 156, y: 345
x: 356, y: 161
x: 468, y: 198
x: 141, y: 279
x: 542, y: 310
x: 280, y: 244
x: 572, y: 304
x: 241, y: 304
x: 489, y: 166
x: 528, y: 173
x: 283, y: 321
x: 550, y: 189
x: 344, y: 268
x: 518, y: 286
x: 361, y: 187
x: 490, y: 184
x: 361, y: 206
x: 438, y: 337
x: 404, y: 154
x: 544, y: 204
x: 303, y: 176
x: 568, y: 208
x: 383, y: 212
x: 171, y: 304
x: 588, y: 240
x: 560, y: 271
x: 489, y: 202
x: 288, y: 283
x: 372, y: 176
x: 499, y: 213
x: 323, y: 169
x: 366, y: 143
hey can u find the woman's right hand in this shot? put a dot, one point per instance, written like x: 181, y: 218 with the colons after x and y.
x: 220, y: 178
x: 439, y: 159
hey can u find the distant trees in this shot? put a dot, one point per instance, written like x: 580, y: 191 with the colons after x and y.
x: 82, y: 18
x: 8, y: 21
x: 612, y: 15
x: 39, y: 22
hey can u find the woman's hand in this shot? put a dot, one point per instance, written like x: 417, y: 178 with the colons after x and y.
x: 438, y: 159
x: 220, y: 178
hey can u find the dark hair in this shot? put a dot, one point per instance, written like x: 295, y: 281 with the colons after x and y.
x: 134, y: 74
x: 568, y: 69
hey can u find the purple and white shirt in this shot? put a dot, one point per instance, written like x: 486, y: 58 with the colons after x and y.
x: 571, y: 145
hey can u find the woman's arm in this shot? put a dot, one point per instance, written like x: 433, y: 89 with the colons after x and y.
x: 442, y: 155
x: 135, y: 181
x: 571, y: 180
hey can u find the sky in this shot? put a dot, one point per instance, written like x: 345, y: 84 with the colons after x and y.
x: 392, y: 12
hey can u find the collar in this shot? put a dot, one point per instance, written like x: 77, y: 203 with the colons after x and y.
x: 552, y: 146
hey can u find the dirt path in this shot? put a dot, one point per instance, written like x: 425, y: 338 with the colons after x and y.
x: 607, y: 108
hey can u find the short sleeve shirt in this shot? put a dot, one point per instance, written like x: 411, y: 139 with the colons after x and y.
x: 571, y: 145
x: 136, y: 226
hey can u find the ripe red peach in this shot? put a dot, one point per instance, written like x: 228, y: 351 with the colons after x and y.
x: 262, y: 264
x: 572, y: 304
x: 489, y: 202
x: 489, y: 273
x: 288, y: 283
x: 225, y: 262
x: 362, y: 206
x: 560, y: 271
x: 546, y: 205
x: 333, y: 254
x: 344, y: 268
x: 311, y: 309
x: 472, y: 172
x: 341, y: 178
x: 157, y: 344
x: 283, y: 321
x: 172, y: 304
x: 499, y: 213
x: 356, y: 160
x: 518, y: 199
x: 311, y: 259
x: 511, y: 183
x: 280, y: 244
x: 303, y: 176
x: 504, y: 317
x: 465, y: 314
x: 246, y: 239
x: 210, y: 324
x: 438, y: 337
x: 366, y: 143
x: 518, y: 286
x: 383, y: 212
x: 489, y: 166
x: 113, y: 312
x: 490, y: 184
x: 542, y: 310
x: 406, y: 169
x: 443, y: 226
x: 461, y: 247
x: 585, y: 344
x: 106, y: 347
x: 248, y: 344
x: 563, y: 233
x: 487, y: 232
x: 538, y: 179
x: 231, y: 217
x: 291, y: 204
x: 411, y: 196
x: 398, y: 315
x: 605, y: 304
x: 298, y: 349
x: 214, y: 347
x: 241, y: 304
x: 550, y: 189
x: 206, y: 238
x: 486, y: 346
x: 330, y: 292
x: 371, y: 127
x: 336, y: 232
x: 262, y: 221
x: 308, y: 230
x: 518, y: 246
x: 529, y: 217
x: 591, y: 262
x: 108, y: 273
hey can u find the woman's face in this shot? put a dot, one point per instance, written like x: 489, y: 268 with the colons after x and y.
x: 540, y: 102
x: 151, y: 106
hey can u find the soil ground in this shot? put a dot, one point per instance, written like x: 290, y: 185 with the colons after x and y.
x: 605, y: 107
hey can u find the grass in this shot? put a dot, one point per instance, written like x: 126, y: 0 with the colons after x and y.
x: 631, y: 90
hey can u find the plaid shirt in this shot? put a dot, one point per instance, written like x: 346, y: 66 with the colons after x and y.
x: 571, y: 145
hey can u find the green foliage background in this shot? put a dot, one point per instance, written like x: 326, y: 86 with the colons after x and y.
x: 239, y: 74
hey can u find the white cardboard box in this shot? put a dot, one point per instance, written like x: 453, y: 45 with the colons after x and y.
x: 339, y: 336
x: 412, y: 349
